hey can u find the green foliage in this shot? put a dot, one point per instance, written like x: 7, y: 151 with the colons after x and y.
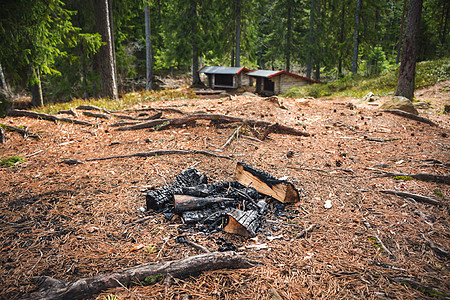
x: 150, y: 280
x: 439, y: 193
x: 11, y: 161
x: 427, y: 73
x: 110, y: 297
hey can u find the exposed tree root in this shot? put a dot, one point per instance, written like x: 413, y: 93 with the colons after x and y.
x: 23, y: 132
x: 379, y: 240
x: 32, y: 114
x: 68, y: 112
x: 441, y: 251
x: 87, y: 287
x: 96, y: 115
x: 410, y: 116
x: 430, y: 291
x: 419, y: 176
x: 416, y: 197
x: 166, y: 123
x: 160, y: 152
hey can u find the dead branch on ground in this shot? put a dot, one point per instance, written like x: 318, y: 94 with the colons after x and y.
x: 416, y: 197
x: 419, y: 176
x: 441, y: 251
x: 23, y: 132
x: 32, y: 114
x: 160, y: 152
x: 410, y: 116
x: 51, y: 288
x: 377, y: 237
x: 166, y: 123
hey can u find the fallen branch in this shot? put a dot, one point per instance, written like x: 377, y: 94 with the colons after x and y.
x: 68, y: 112
x: 416, y: 197
x: 375, y: 235
x: 441, y: 251
x: 23, y: 132
x: 32, y: 114
x: 160, y: 152
x: 410, y: 116
x: 381, y: 140
x: 430, y: 291
x: 96, y: 115
x: 419, y: 176
x: 234, y: 134
x: 166, y: 123
x: 51, y: 289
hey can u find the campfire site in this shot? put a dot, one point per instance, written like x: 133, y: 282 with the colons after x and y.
x: 279, y: 198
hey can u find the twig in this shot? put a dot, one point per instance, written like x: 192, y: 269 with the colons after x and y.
x: 410, y: 116
x: 387, y: 266
x: 305, y: 231
x: 375, y: 139
x: 416, y: 197
x: 197, y: 246
x: 375, y: 235
x: 141, y: 220
x: 441, y: 251
x: 160, y: 152
x: 34, y: 266
x: 235, y: 133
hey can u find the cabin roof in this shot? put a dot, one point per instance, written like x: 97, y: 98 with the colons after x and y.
x: 222, y: 70
x: 269, y: 74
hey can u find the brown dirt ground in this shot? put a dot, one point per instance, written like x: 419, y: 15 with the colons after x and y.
x: 67, y: 221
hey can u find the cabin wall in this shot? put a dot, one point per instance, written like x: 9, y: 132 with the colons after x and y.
x: 285, y: 82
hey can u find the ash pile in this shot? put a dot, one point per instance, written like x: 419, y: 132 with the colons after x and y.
x: 236, y: 206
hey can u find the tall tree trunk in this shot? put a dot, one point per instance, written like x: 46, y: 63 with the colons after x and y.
x: 105, y: 55
x: 400, y: 37
x: 237, y: 62
x: 317, y: 72
x: 36, y: 90
x: 148, y: 45
x: 195, y: 64
x: 3, y: 80
x: 356, y: 38
x: 232, y: 58
x: 407, y: 72
x: 83, y: 72
x: 111, y: 27
x: 288, y: 37
x: 341, y: 37
x: 310, y: 59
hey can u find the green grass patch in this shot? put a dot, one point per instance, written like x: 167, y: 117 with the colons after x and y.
x: 11, y: 161
x: 125, y: 101
x: 439, y: 194
x: 150, y: 280
x: 427, y: 74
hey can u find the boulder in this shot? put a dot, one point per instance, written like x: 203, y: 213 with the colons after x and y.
x: 370, y: 97
x: 400, y: 103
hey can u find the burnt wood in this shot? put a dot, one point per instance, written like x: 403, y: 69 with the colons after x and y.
x: 186, y: 202
x: 266, y: 184
x: 245, y: 223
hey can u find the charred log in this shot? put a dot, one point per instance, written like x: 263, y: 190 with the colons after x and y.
x: 245, y: 223
x: 187, y: 203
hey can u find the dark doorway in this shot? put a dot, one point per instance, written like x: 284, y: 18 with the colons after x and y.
x: 224, y: 80
x: 269, y: 85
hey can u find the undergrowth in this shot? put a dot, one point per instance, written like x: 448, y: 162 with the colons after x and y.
x: 125, y: 101
x: 427, y: 74
x: 11, y: 161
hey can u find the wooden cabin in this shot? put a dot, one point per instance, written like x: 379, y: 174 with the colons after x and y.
x: 270, y: 82
x: 225, y: 77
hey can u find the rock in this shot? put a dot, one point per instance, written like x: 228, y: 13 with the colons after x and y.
x: 370, y: 97
x: 422, y: 104
x: 401, y: 103
x: 249, y: 94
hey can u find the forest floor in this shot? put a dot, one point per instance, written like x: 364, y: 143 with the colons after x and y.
x: 73, y: 221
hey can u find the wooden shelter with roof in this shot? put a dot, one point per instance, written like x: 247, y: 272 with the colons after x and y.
x: 270, y: 82
x: 225, y: 77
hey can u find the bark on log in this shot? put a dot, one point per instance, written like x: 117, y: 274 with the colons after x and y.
x: 159, y: 152
x: 245, y: 223
x: 165, y: 123
x: 52, y: 289
x: 23, y: 132
x: 410, y: 116
x: 186, y: 203
x: 96, y: 115
x: 266, y: 184
x: 416, y: 197
x: 32, y: 114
